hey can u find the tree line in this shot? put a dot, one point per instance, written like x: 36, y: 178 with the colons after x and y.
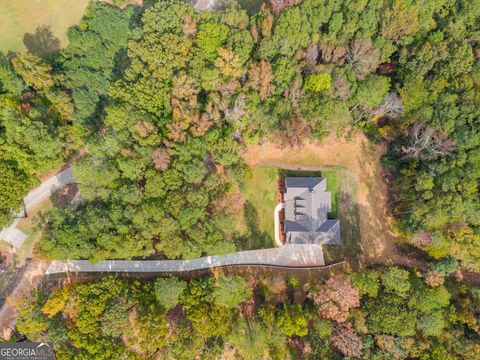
x: 162, y: 100
x: 388, y: 313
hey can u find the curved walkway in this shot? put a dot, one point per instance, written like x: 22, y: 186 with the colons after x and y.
x: 301, y: 256
x: 276, y: 215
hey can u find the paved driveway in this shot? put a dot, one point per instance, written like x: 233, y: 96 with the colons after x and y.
x: 288, y: 255
x: 34, y: 198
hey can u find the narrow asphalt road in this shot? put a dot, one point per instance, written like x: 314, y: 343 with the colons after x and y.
x: 34, y: 198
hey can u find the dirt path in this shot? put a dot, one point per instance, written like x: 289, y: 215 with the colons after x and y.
x: 362, y: 158
x: 29, y: 281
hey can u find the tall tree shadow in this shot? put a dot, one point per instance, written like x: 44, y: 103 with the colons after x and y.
x: 350, y: 229
x: 255, y: 238
x: 42, y: 42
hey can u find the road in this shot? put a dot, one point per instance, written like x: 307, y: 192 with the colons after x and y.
x: 29, y: 281
x: 11, y: 234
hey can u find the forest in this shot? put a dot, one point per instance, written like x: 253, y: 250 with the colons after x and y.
x: 161, y: 100
x: 385, y: 314
x: 153, y: 107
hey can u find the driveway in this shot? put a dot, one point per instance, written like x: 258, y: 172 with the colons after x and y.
x: 11, y: 234
x: 305, y: 255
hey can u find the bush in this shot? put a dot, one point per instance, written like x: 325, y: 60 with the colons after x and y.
x: 447, y: 265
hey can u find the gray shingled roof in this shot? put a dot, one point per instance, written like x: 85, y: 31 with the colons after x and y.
x: 306, y: 206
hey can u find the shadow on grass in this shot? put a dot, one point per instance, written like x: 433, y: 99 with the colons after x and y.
x: 350, y: 229
x: 282, y: 173
x: 42, y: 42
x: 254, y: 238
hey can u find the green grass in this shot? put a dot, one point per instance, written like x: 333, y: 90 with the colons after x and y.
x: 257, y: 225
x: 256, y: 228
x: 20, y: 17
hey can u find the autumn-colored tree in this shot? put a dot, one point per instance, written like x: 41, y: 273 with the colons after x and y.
x: 200, y: 127
x: 228, y: 63
x: 434, y: 278
x: 346, y: 341
x: 34, y: 71
x: 266, y: 20
x: 260, y: 78
x: 177, y: 132
x: 400, y: 20
x: 189, y: 25
x: 160, y: 159
x: 335, y: 298
x: 56, y: 302
x: 363, y: 57
x: 293, y: 133
x: 341, y: 87
x: 184, y: 99
x: 311, y: 55
x: 279, y: 5
x: 333, y: 54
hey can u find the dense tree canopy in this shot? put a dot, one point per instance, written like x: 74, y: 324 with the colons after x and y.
x: 159, y: 102
x: 162, y: 99
x: 178, y: 319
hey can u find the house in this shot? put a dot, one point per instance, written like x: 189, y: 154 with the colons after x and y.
x: 307, y: 202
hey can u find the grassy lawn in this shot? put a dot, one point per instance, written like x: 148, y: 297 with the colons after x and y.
x: 20, y: 17
x: 257, y: 225
x: 259, y: 192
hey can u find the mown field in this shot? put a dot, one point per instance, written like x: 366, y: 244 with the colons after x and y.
x: 28, y: 20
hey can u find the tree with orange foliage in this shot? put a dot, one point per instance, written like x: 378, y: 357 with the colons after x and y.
x: 335, y: 298
x: 260, y: 78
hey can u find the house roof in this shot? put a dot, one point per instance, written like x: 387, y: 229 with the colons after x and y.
x: 306, y: 206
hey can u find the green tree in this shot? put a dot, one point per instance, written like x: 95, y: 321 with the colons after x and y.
x: 388, y: 314
x: 230, y: 291
x: 168, y: 291
x: 292, y: 321
x: 367, y: 282
x: 432, y: 324
x: 396, y: 280
x: 14, y: 183
x: 317, y: 82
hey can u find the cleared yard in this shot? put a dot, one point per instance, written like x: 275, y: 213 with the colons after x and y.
x: 367, y: 229
x: 41, y: 24
x: 260, y: 195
